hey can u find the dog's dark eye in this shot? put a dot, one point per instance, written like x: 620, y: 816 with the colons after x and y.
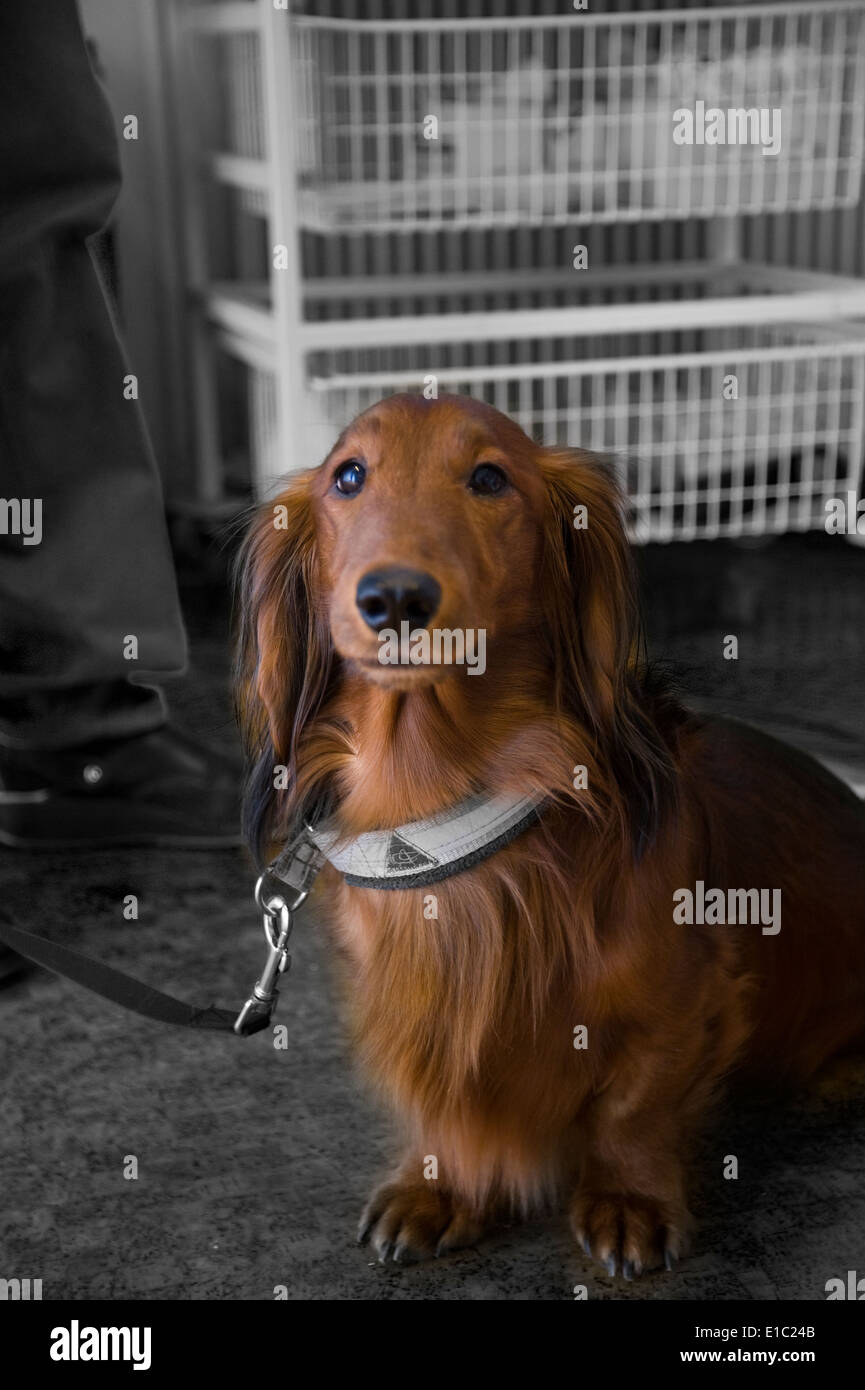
x: 350, y: 477
x: 488, y: 479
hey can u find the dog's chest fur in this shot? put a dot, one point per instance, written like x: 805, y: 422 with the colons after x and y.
x: 465, y: 1017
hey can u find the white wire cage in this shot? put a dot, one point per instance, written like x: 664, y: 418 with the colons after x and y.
x: 538, y: 120
x: 314, y: 131
x: 727, y: 428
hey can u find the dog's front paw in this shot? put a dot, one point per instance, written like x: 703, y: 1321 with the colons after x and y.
x: 407, y: 1221
x: 629, y: 1234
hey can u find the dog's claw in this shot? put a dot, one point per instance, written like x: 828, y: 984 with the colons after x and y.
x: 627, y: 1269
x: 610, y: 1266
x: 670, y: 1260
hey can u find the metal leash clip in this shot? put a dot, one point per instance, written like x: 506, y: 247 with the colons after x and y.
x: 291, y: 875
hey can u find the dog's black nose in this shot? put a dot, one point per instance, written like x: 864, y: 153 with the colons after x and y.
x: 390, y: 596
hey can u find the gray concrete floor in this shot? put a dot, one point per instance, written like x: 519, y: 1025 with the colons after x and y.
x: 253, y: 1163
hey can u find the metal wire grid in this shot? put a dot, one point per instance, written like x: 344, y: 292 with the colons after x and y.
x: 699, y: 465
x: 540, y: 121
x: 693, y: 462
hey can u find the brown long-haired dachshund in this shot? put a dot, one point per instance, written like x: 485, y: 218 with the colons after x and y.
x: 556, y: 1024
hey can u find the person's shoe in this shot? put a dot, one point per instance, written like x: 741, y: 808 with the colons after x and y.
x: 160, y: 788
x: 12, y: 966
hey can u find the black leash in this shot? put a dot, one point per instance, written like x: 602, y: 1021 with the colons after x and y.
x: 298, y: 866
x: 113, y: 984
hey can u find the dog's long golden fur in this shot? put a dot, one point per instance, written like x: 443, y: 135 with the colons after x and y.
x: 467, y: 1020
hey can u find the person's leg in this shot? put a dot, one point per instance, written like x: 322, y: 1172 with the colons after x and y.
x: 75, y: 466
x: 88, y: 597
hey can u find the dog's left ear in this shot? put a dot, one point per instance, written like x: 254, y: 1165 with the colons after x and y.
x: 284, y: 658
x: 589, y: 585
x: 593, y: 625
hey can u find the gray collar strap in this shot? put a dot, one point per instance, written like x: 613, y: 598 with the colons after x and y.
x: 427, y: 851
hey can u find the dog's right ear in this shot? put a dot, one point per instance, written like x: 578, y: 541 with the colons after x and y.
x: 284, y: 658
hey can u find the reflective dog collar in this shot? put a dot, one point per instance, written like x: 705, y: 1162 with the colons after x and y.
x: 427, y: 851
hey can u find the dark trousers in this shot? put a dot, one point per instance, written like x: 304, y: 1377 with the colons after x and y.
x: 102, y: 571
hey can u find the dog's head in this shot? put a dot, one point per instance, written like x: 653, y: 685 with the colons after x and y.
x: 428, y: 516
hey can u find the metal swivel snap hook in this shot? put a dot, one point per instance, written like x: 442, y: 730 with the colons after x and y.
x: 277, y: 921
x: 279, y: 892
